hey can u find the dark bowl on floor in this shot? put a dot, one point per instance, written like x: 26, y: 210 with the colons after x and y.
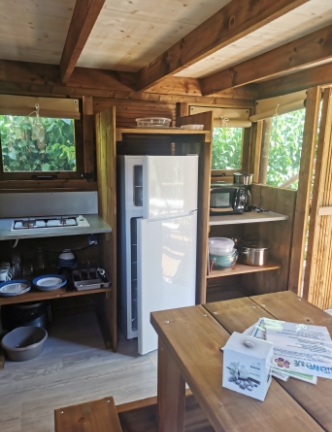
x: 24, y: 343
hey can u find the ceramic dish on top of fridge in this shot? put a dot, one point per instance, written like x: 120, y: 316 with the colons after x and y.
x: 152, y: 122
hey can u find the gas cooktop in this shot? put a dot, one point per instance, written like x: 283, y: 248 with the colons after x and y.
x: 50, y: 222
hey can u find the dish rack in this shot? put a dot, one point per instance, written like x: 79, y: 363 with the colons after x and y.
x: 89, y: 278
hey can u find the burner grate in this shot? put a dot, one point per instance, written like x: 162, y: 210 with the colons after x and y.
x: 45, y: 222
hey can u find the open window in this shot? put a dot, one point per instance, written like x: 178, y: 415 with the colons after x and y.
x: 228, y: 138
x: 283, y: 125
x: 40, y: 138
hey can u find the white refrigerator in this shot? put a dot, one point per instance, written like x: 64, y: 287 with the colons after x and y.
x: 157, y: 241
x: 166, y: 240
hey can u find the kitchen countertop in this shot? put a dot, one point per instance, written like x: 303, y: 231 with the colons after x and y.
x: 97, y: 226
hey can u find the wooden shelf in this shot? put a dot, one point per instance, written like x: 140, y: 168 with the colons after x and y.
x: 160, y: 131
x: 35, y: 295
x: 246, y: 217
x: 242, y: 269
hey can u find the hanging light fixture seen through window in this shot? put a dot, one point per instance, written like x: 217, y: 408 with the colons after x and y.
x: 38, y: 130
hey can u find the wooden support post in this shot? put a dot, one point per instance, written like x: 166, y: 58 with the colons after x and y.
x: 106, y: 162
x: 303, y: 194
x: 88, y: 138
x: 264, y: 162
x: 182, y: 109
x: 256, y: 148
x: 171, y: 387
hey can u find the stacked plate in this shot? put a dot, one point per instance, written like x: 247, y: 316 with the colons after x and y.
x: 14, y: 287
x: 49, y: 282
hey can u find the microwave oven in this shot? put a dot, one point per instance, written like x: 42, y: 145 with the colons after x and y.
x: 228, y: 199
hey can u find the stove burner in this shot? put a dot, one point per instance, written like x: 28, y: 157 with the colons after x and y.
x: 30, y: 223
x: 50, y: 222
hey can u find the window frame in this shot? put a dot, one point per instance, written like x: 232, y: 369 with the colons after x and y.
x: 229, y: 172
x: 53, y: 175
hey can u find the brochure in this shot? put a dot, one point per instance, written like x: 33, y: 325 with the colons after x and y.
x: 258, y: 330
x: 300, y: 348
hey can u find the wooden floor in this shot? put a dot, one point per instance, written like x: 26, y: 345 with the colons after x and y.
x: 74, y: 367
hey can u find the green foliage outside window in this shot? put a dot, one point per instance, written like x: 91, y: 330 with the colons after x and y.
x: 285, y: 148
x: 227, y: 148
x: 25, y: 150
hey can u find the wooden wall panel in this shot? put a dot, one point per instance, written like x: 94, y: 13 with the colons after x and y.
x: 278, y: 234
x: 106, y: 164
x: 318, y: 274
x: 204, y: 174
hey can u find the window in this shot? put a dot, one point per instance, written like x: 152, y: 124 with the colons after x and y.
x: 40, y: 138
x: 228, y: 136
x: 227, y: 148
x: 285, y: 149
x: 27, y: 146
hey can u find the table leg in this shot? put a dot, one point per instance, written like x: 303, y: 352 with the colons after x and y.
x: 171, y: 393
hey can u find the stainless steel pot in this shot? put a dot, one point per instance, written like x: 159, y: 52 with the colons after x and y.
x: 243, y: 178
x: 253, y: 253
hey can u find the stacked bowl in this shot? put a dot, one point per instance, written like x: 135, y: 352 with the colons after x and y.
x: 67, y: 259
x: 222, y: 253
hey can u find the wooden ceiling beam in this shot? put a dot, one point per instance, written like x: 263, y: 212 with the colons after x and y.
x: 84, y: 17
x: 29, y: 78
x: 237, y: 19
x: 312, y: 77
x: 305, y: 51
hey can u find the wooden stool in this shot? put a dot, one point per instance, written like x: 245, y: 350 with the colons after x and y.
x: 95, y: 416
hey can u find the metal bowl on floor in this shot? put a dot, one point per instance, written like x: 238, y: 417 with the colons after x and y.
x: 24, y: 343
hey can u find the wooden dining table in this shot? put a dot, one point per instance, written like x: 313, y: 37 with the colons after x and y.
x: 189, y: 352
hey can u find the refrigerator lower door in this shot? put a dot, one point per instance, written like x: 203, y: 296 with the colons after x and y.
x: 166, y: 271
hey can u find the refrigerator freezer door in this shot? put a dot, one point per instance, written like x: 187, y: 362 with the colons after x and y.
x: 169, y: 185
x: 166, y: 271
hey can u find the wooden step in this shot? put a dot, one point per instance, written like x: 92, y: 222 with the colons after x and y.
x: 95, y: 416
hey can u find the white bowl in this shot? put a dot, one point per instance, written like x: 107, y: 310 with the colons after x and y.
x: 67, y: 254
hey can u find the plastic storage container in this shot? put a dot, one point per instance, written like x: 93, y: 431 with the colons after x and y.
x: 224, y: 261
x: 221, y: 246
x: 148, y: 122
x: 222, y: 254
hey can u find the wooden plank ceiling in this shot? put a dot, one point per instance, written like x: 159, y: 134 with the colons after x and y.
x: 218, y: 44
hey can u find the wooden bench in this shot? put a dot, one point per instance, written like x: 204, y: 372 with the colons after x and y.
x: 95, y: 416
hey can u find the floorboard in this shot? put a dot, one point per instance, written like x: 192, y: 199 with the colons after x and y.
x: 74, y: 367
